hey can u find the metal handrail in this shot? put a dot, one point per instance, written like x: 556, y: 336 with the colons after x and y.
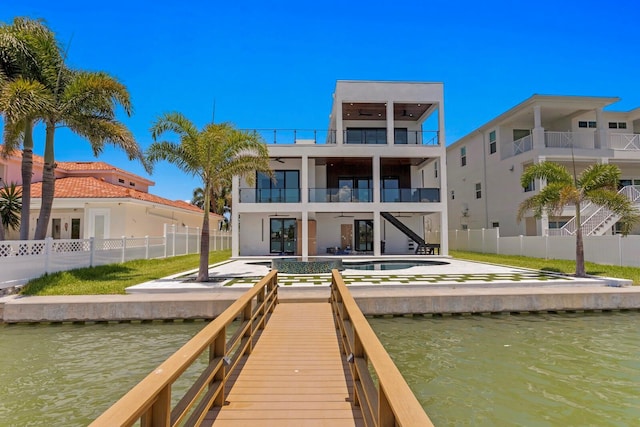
x: 150, y: 400
x: 389, y: 401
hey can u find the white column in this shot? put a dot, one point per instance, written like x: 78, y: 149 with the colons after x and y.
x: 377, y: 250
x: 602, y: 137
x: 538, y: 130
x: 444, y: 220
x: 235, y: 217
x: 305, y: 234
x: 376, y: 178
x: 390, y: 123
x: 339, y: 130
x: 304, y: 180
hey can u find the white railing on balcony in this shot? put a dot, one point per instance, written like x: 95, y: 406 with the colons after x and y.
x: 570, y: 140
x: 625, y: 141
x: 517, y: 147
x: 598, y: 217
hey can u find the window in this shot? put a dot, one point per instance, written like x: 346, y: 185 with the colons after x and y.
x: 435, y: 169
x: 530, y: 187
x: 463, y: 156
x: 400, y: 136
x: 132, y: 184
x: 282, y: 236
x: 366, y: 136
x: 478, y: 190
x: 617, y: 125
x: 285, y: 189
x: 121, y: 181
x: 495, y: 224
x: 453, y: 195
x: 364, y: 235
x: 465, y: 226
x: 492, y: 142
x: 585, y: 124
x: 75, y: 228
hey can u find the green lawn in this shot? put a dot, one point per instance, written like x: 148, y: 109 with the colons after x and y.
x: 114, y: 278
x: 555, y: 265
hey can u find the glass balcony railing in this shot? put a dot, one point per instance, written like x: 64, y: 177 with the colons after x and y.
x: 403, y: 195
x: 347, y: 195
x: 269, y: 195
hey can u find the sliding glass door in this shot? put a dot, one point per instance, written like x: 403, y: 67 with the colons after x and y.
x: 364, y: 235
x: 283, y: 236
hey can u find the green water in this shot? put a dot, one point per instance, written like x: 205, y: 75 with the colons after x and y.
x: 67, y: 375
x: 534, y: 370
x: 530, y: 370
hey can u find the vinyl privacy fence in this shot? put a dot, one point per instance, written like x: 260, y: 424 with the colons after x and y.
x: 613, y: 250
x: 22, y: 260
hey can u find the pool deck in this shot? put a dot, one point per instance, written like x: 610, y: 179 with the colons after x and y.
x: 459, y: 287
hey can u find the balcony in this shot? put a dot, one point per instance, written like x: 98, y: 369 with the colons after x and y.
x: 270, y: 195
x: 410, y: 195
x: 371, y: 136
x: 346, y: 195
x: 585, y: 140
x: 625, y: 141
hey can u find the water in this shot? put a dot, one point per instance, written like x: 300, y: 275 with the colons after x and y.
x: 67, y: 375
x: 531, y: 370
x: 389, y: 265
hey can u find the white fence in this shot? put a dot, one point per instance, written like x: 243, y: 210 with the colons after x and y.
x: 21, y: 260
x: 614, y: 250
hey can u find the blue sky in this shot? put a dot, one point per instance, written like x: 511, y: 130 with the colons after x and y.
x: 274, y: 64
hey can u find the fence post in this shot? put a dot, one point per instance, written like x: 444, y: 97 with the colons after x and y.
x: 187, y: 238
x: 146, y: 247
x: 521, y: 244
x: 483, y: 240
x: 546, y: 246
x: 92, y: 250
x: 498, y: 240
x: 48, y: 243
x: 124, y: 247
x: 166, y: 243
x: 173, y: 247
x: 197, y: 240
x: 620, y: 248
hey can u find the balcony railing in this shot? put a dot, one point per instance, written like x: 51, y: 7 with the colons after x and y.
x: 347, y: 195
x: 270, y: 195
x: 296, y: 136
x: 570, y: 140
x: 625, y: 141
x: 403, y: 195
x: 376, y: 136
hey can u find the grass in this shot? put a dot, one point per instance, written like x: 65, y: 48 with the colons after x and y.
x: 114, y: 278
x: 553, y: 265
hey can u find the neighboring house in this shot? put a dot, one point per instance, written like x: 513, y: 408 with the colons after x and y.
x: 484, y: 167
x: 95, y: 199
x: 371, y: 184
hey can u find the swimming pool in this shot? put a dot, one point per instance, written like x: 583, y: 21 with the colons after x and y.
x: 390, y: 265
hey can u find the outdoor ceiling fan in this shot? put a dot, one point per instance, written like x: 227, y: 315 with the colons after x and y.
x: 278, y: 159
x: 342, y: 215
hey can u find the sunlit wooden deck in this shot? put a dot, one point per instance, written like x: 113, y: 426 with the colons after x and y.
x: 295, y: 376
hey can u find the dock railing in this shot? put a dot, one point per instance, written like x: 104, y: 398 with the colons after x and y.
x: 389, y: 401
x: 150, y: 400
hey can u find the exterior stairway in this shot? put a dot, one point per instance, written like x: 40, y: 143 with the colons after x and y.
x: 597, y: 222
x: 422, y: 248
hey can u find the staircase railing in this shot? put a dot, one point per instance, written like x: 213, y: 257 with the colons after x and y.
x: 599, y: 216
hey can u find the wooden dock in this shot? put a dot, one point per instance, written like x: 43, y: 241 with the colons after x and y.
x: 296, y: 375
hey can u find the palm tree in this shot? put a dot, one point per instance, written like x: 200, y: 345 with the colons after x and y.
x: 24, y: 45
x: 598, y: 184
x: 10, y: 205
x: 215, y: 154
x: 219, y: 202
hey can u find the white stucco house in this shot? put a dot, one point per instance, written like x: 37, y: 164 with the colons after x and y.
x: 373, y: 183
x: 96, y: 199
x: 484, y: 167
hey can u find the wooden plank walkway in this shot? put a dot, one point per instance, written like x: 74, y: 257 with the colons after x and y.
x: 295, y: 376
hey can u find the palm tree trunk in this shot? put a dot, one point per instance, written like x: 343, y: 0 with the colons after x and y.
x: 48, y: 184
x: 27, y: 170
x: 203, y: 270
x: 580, y: 271
x: 1, y: 231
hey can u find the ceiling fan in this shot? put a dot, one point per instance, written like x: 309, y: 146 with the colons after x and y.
x: 342, y: 215
x: 278, y: 159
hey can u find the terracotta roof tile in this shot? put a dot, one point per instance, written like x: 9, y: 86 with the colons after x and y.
x: 94, y: 188
x: 85, y: 166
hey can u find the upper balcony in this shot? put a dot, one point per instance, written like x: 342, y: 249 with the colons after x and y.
x: 340, y: 195
x: 360, y: 135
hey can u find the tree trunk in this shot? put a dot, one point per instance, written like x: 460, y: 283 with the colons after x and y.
x: 48, y: 184
x: 203, y: 270
x: 1, y: 231
x: 580, y: 272
x: 27, y: 170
